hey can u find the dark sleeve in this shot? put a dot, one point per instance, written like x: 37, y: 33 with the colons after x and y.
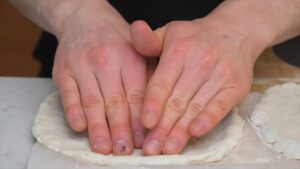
x: 45, y: 52
x: 289, y: 51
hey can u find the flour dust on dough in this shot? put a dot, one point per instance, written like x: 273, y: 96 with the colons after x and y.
x: 276, y: 119
x: 52, y: 130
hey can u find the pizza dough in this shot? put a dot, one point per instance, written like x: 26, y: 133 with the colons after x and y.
x: 52, y: 130
x: 277, y: 119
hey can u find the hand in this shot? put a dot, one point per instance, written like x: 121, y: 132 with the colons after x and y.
x: 204, y: 71
x: 101, y: 79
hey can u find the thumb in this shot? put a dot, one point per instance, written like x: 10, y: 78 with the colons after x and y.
x: 146, y: 41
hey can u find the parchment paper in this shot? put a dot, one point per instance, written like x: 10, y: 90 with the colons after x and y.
x: 249, y: 154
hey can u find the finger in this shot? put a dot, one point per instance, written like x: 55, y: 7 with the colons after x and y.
x: 206, y: 92
x: 188, y: 83
x: 145, y: 41
x: 177, y: 140
x: 179, y: 135
x: 159, y: 89
x: 93, y: 106
x: 117, y: 110
x: 134, y: 77
x: 154, y: 141
x: 216, y: 110
x: 70, y: 98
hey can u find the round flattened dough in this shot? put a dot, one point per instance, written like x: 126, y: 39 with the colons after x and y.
x: 51, y: 129
x: 276, y: 119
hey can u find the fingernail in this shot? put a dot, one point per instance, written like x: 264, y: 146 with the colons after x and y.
x: 102, y: 145
x: 153, y: 147
x: 122, y: 147
x: 172, y: 145
x: 150, y: 119
x: 139, y: 139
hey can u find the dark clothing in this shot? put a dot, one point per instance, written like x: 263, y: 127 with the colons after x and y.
x: 45, y: 52
x: 289, y: 51
x: 159, y: 12
x: 155, y: 12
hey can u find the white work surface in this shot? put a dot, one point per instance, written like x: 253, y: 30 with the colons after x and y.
x: 19, y: 102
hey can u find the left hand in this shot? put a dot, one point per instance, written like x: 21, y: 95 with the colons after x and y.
x: 205, y: 69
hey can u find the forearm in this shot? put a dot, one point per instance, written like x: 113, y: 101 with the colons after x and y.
x: 52, y: 15
x: 269, y: 21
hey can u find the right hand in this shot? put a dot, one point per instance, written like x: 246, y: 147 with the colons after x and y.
x: 101, y: 78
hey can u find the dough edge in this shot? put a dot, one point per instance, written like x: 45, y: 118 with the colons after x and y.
x: 233, y: 137
x: 280, y: 144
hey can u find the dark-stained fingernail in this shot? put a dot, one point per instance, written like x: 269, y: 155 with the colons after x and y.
x: 102, y: 145
x: 139, y: 139
x: 151, y: 119
x: 171, y: 145
x: 122, y: 147
x: 153, y: 147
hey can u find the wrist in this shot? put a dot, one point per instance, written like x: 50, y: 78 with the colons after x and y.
x: 83, y: 16
x: 247, y: 22
x: 264, y: 23
x: 55, y: 14
x: 253, y: 42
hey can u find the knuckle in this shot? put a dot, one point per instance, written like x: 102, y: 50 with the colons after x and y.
x: 119, y: 127
x: 117, y: 101
x: 195, y: 108
x: 100, y: 54
x: 68, y: 63
x: 68, y: 92
x: 58, y: 72
x: 177, y: 105
x: 64, y: 67
x: 136, y: 97
x: 180, y: 129
x: 96, y: 127
x: 162, y: 129
x: 122, y: 125
x: 71, y: 109
x: 179, y: 47
x: 221, y: 106
x: 101, y: 49
x: 161, y: 84
x: 227, y: 69
x: 208, y: 61
x: 91, y: 101
x: 80, y: 61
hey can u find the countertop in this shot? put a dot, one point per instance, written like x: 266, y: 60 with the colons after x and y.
x: 20, y: 99
x: 19, y: 102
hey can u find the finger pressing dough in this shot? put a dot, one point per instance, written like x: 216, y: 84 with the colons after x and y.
x: 52, y: 130
x: 276, y: 119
